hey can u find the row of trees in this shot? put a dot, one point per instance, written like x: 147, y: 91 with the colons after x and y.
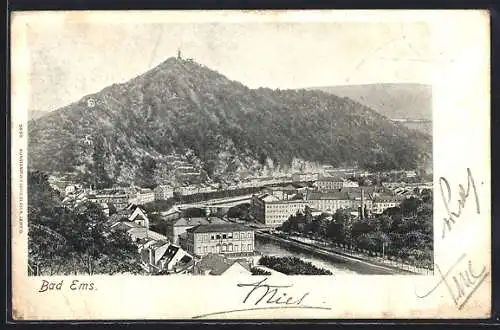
x: 259, y: 271
x: 63, y: 241
x: 292, y: 266
x: 403, y: 232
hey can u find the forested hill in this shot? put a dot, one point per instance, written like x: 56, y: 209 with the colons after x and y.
x: 184, y: 107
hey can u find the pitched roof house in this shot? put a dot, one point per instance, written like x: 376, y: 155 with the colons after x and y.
x: 216, y: 264
x: 160, y: 256
x: 139, y: 217
x: 179, y: 226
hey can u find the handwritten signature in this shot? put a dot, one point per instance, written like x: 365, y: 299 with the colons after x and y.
x: 271, y: 291
x: 463, y: 196
x: 461, y: 281
x: 268, y: 296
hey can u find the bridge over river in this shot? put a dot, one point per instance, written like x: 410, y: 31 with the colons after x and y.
x: 227, y: 202
x: 217, y: 204
x: 269, y: 244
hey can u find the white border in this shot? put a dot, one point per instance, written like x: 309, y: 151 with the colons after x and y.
x: 461, y: 141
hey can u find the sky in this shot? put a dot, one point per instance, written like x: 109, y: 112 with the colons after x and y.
x: 71, y: 60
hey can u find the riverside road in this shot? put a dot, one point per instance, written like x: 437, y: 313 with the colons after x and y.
x: 340, y: 263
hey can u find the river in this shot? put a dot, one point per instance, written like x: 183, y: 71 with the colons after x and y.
x: 273, y: 248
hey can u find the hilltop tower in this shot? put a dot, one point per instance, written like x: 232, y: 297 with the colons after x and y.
x: 179, y: 54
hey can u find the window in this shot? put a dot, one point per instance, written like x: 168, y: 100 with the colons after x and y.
x: 249, y: 247
x: 217, y: 236
x: 224, y: 247
x: 224, y: 236
x: 242, y: 247
x: 212, y: 237
x: 236, y: 247
x: 230, y: 235
x: 205, y: 249
x: 236, y: 235
x: 230, y: 248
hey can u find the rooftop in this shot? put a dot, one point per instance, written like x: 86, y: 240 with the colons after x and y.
x: 124, y: 225
x: 339, y: 195
x: 170, y: 252
x: 366, y: 189
x: 217, y: 264
x: 117, y: 193
x: 297, y: 199
x: 288, y: 187
x: 219, y: 227
x: 389, y: 198
x: 269, y: 198
x: 330, y: 179
x: 141, y: 232
x: 182, y: 222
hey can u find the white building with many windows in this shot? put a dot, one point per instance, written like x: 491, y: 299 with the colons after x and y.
x: 229, y: 239
x: 272, y: 211
x: 382, y: 203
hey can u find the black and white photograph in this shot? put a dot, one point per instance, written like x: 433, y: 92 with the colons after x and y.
x: 204, y: 149
x: 271, y: 149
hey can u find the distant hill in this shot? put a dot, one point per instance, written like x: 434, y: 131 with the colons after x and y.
x: 186, y: 108
x: 395, y: 101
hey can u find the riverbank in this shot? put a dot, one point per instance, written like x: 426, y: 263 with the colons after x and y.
x: 356, y: 264
x: 362, y: 256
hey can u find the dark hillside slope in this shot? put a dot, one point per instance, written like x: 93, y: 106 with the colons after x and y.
x: 184, y: 107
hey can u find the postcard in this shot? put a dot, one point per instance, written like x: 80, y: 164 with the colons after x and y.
x: 289, y: 164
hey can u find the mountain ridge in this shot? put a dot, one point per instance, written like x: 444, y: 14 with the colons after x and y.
x: 181, y: 106
x: 393, y: 100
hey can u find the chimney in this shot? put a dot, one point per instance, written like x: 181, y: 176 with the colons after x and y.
x: 362, y: 212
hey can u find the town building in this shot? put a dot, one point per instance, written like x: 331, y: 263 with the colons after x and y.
x: 301, y: 177
x: 283, y: 193
x: 331, y: 201
x: 216, y: 264
x: 383, y: 202
x: 143, y: 196
x: 118, y: 198
x: 329, y: 183
x: 185, y: 190
x: 272, y: 211
x: 150, y: 253
x: 138, y: 234
x: 139, y: 217
x: 315, y: 212
x: 350, y: 184
x: 105, y: 209
x: 177, y: 227
x: 161, y: 256
x: 172, y: 214
x: 72, y: 188
x: 410, y: 174
x: 65, y: 184
x: 76, y: 198
x: 334, y: 183
x: 230, y: 239
x: 393, y: 185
